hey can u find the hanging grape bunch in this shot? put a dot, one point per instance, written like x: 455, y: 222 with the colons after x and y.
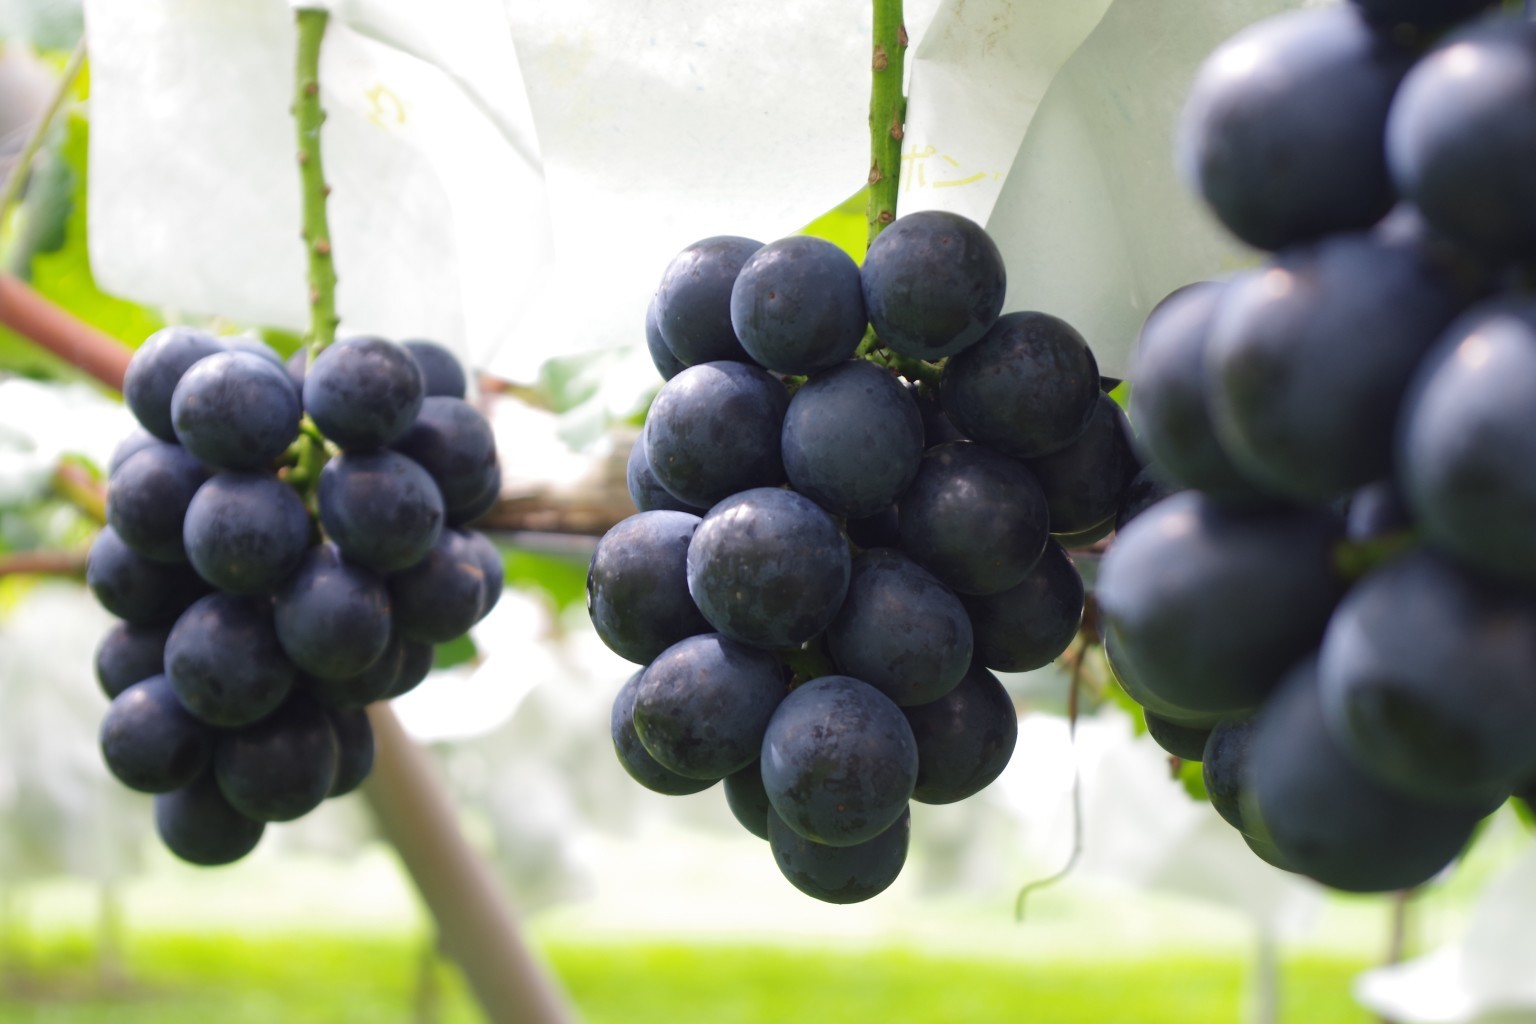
x: 283, y: 549
x: 854, y: 487
x: 1337, y: 612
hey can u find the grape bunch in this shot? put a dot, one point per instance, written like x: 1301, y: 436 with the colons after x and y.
x: 283, y: 548
x: 856, y: 491
x: 1336, y: 612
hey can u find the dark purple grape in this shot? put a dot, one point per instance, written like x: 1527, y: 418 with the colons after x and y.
x: 473, y: 511
x: 332, y: 616
x: 128, y: 654
x: 797, y: 305
x: 235, y: 410
x: 198, y: 825
x: 150, y: 742
x: 1027, y: 388
x: 964, y: 739
x: 647, y: 494
x: 637, y: 585
x: 282, y: 767
x: 1146, y: 489
x: 1282, y: 130
x: 748, y: 800
x: 156, y: 368
x: 633, y: 756
x: 1029, y: 625
x: 297, y: 366
x: 441, y: 596
x: 136, y: 440
x: 376, y: 682
x: 148, y: 497
x: 493, y: 569
x: 1084, y: 481
x: 974, y: 518
x: 255, y: 347
x: 840, y: 874
x: 839, y: 761
x: 933, y: 284
x: 135, y: 589
x: 1328, y: 819
x: 852, y: 439
x: 223, y: 659
x: 667, y: 364
x: 354, y: 744
x: 701, y: 707
x: 900, y: 630
x: 693, y: 301
x: 714, y: 430
x: 441, y: 372
x: 1224, y: 769
x: 768, y: 567
x: 381, y: 509
x: 1422, y: 13
x: 363, y: 393
x: 452, y: 442
x: 415, y: 665
x: 1209, y: 604
x: 245, y: 532
x: 1186, y: 742
x: 1460, y: 136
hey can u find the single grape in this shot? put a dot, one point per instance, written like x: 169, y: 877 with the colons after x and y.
x: 1224, y: 767
x: 1029, y: 625
x: 1027, y: 388
x: 235, y: 410
x: 135, y: 589
x: 1084, y: 481
x: 376, y: 682
x: 933, y: 284
x: 644, y: 490
x: 441, y: 372
x: 637, y: 585
x: 493, y: 569
x: 332, y: 616
x: 415, y: 666
x: 198, y: 825
x: 135, y: 441
x: 1282, y: 130
x: 840, y: 874
x: 1209, y: 604
x: 156, y: 368
x: 900, y: 630
x: 667, y: 364
x: 382, y: 509
x: 148, y: 497
x: 1422, y: 13
x: 693, y: 301
x: 453, y: 443
x: 1146, y: 489
x: 974, y: 518
x: 852, y: 439
x: 714, y: 430
x: 363, y: 393
x: 1186, y: 742
x: 473, y: 511
x: 748, y: 800
x: 768, y: 567
x: 255, y: 347
x: 702, y: 706
x: 964, y: 739
x: 839, y: 761
x: 128, y: 654
x: 633, y: 756
x: 354, y: 741
x: 797, y: 305
x: 1460, y: 136
x: 1328, y: 819
x: 1426, y: 680
x: 282, y: 767
x: 441, y: 596
x: 150, y: 742
x: 245, y: 532
x: 224, y: 661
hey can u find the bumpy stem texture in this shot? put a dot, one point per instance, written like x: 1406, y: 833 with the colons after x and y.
x: 887, y: 114
x: 308, y: 116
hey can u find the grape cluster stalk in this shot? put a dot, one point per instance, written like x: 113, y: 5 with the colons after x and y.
x: 285, y: 544
x: 856, y: 490
x: 1336, y: 611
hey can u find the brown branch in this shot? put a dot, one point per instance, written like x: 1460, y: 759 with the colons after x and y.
x: 43, y: 563
x: 49, y: 327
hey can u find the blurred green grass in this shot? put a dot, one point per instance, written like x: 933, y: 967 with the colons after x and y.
x: 180, y: 979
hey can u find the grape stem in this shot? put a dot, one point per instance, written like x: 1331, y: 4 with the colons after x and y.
x: 887, y: 114
x: 309, y: 116
x: 75, y: 484
x: 43, y: 563
x: 16, y: 182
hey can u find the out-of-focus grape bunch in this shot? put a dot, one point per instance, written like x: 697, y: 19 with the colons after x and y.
x: 857, y: 488
x: 1337, y: 612
x: 285, y: 544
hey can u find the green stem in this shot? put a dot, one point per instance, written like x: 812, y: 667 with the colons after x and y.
x: 887, y: 114
x: 18, y: 176
x: 1353, y: 559
x: 308, y: 116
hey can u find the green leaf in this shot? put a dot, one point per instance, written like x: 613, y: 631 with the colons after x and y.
x: 844, y: 225
x: 457, y: 651
x: 562, y: 578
